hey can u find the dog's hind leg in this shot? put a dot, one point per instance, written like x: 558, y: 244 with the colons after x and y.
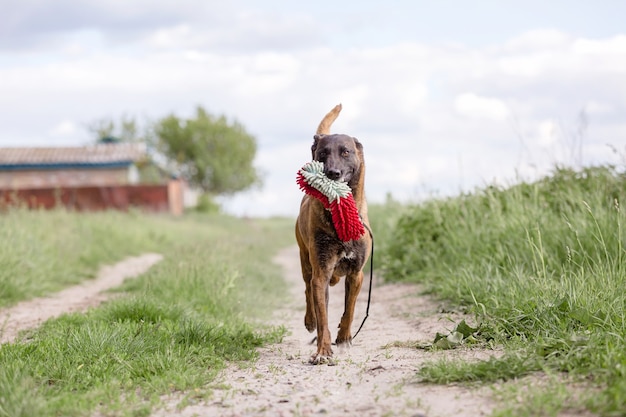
x: 353, y: 287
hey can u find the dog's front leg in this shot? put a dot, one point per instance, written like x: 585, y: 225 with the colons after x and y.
x: 319, y: 290
x: 354, y: 281
x: 307, y: 275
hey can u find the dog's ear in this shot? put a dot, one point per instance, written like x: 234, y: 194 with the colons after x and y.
x: 316, y: 139
x: 358, y: 144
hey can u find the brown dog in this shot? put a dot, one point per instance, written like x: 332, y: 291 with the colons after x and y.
x: 323, y: 257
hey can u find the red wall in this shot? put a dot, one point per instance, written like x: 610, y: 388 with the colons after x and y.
x: 148, y: 197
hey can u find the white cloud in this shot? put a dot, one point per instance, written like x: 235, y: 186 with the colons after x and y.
x: 278, y: 71
x: 412, y: 96
x: 65, y: 128
x: 597, y: 107
x: 612, y: 46
x: 548, y: 133
x: 528, y: 65
x: 538, y: 39
x: 171, y: 37
x: 475, y: 106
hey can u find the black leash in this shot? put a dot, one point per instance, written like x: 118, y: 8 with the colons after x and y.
x: 369, y: 292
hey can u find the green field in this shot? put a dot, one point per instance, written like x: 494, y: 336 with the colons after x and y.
x: 177, y: 326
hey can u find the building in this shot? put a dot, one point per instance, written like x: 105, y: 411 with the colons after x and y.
x: 96, y: 177
x: 104, y: 164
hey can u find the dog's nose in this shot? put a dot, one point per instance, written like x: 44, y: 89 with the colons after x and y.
x: 333, y: 174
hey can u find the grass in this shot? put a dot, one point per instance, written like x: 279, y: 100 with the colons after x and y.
x: 41, y: 252
x: 542, y: 265
x: 173, y: 330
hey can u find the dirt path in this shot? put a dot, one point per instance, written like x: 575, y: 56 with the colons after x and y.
x: 31, y: 313
x: 369, y: 379
x: 373, y: 378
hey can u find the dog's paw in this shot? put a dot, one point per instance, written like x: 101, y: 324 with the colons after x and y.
x: 343, y: 339
x: 310, y: 323
x: 345, y: 345
x: 322, y: 360
x: 310, y: 326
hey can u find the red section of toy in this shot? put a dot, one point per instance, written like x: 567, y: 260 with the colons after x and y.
x: 343, y: 210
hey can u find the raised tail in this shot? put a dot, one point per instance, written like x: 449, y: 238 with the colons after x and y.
x: 327, y: 121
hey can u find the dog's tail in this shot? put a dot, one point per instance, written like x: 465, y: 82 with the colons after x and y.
x: 327, y: 121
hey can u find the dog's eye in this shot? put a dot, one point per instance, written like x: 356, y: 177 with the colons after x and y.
x: 345, y: 153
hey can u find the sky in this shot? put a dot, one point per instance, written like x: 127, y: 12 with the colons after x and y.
x: 445, y: 96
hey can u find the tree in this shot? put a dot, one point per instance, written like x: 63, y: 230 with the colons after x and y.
x: 125, y: 130
x: 209, y: 152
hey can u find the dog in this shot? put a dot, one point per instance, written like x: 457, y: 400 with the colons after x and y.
x: 324, y: 258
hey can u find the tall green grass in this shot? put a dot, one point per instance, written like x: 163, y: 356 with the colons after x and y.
x: 173, y: 329
x: 543, y: 265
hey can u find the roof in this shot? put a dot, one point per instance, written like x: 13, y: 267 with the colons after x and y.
x: 95, y: 156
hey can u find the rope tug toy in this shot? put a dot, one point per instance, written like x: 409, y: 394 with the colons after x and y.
x: 336, y: 196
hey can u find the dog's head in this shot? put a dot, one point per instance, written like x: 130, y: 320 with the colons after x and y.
x: 342, y: 156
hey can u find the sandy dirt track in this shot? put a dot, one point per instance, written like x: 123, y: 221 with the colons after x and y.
x: 31, y: 313
x: 369, y: 379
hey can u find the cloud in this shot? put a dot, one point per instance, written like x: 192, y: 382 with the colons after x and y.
x: 431, y: 115
x: 532, y: 40
x: 475, y: 106
x: 597, y: 107
x: 547, y: 133
x: 614, y: 46
x: 226, y: 26
x: 64, y: 128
